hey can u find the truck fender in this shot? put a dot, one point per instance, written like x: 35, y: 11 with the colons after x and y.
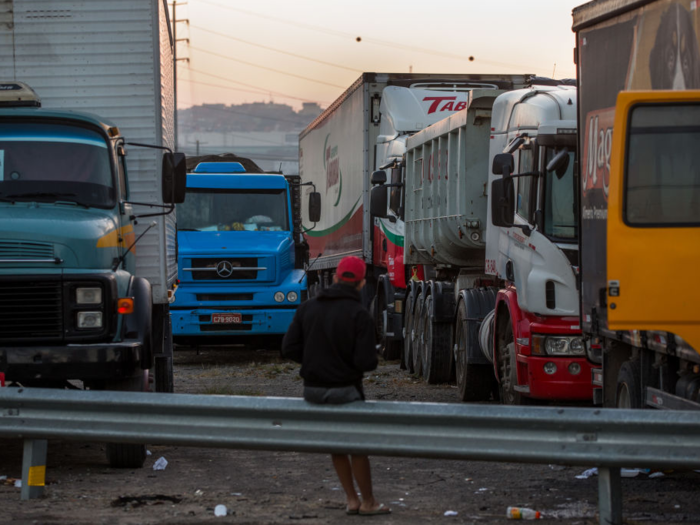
x: 479, y: 304
x: 444, y: 305
x: 138, y: 325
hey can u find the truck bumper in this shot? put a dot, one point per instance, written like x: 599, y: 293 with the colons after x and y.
x: 571, y: 381
x: 198, y: 322
x: 84, y: 362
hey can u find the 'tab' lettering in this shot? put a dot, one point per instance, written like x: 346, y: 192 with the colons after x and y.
x: 449, y: 106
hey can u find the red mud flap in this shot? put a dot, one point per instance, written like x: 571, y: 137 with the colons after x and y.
x: 2, y: 379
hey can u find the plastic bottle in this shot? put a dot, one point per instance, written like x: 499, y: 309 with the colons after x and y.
x: 522, y: 513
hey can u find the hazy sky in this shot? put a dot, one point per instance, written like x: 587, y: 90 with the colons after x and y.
x: 307, y: 50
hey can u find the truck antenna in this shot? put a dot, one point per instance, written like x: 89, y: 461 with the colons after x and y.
x: 309, y: 266
x: 123, y: 256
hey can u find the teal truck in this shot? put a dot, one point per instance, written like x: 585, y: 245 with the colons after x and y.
x: 72, y: 305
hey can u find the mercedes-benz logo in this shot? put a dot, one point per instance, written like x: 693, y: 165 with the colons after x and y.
x: 224, y: 269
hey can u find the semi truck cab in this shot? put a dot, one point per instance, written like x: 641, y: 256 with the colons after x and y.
x: 532, y: 244
x: 241, y: 256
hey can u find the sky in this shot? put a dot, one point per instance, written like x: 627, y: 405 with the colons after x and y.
x: 292, y: 52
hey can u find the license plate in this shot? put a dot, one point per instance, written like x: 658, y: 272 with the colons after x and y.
x: 226, y: 318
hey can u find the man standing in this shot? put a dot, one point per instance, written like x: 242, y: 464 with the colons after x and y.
x: 333, y: 337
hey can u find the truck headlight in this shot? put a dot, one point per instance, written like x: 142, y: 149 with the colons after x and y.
x: 558, y: 345
x: 292, y: 297
x: 88, y: 295
x: 279, y: 297
x: 87, y: 320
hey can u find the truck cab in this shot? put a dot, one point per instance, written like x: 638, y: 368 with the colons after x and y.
x: 72, y: 307
x: 532, y: 244
x: 241, y: 256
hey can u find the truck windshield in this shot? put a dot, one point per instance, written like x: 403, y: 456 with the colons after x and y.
x: 560, y: 218
x: 662, y: 184
x: 207, y: 209
x: 55, y: 162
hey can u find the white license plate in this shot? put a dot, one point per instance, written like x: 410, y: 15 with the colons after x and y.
x: 226, y: 318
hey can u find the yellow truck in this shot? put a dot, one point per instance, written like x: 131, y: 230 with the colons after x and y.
x: 638, y: 68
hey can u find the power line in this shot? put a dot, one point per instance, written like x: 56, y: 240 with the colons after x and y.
x: 264, y: 67
x: 273, y: 49
x: 262, y: 92
x: 376, y: 41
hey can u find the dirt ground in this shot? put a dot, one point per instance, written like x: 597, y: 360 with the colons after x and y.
x: 289, y: 488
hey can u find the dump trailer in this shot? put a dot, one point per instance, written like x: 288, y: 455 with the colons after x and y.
x: 87, y: 216
x: 364, y: 130
x: 507, y: 272
x: 639, y: 123
x: 241, y: 254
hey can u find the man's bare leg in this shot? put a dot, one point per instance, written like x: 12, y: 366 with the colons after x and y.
x: 341, y: 463
x: 363, y: 475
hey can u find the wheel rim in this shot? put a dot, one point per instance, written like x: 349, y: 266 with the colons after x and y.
x: 508, y: 395
x: 461, y: 354
x: 417, y: 338
x: 408, y: 336
x: 623, y: 397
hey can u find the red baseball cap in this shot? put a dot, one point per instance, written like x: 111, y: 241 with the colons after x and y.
x: 351, y: 269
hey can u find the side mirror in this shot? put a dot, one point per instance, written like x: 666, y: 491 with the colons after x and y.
x: 503, y: 202
x: 501, y: 163
x: 378, y: 177
x: 559, y: 163
x: 174, y: 178
x: 377, y: 201
x: 314, y: 206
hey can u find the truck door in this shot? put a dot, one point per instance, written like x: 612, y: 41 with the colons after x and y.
x: 653, y: 228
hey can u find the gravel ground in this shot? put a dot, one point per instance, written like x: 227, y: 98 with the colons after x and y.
x: 265, y: 487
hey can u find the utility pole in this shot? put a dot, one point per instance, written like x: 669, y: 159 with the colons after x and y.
x: 176, y: 59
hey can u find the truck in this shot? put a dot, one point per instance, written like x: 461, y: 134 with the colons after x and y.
x: 638, y: 67
x: 497, y: 307
x: 241, y: 253
x: 88, y: 262
x: 365, y: 130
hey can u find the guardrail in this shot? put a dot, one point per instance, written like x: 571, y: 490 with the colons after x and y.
x: 606, y: 438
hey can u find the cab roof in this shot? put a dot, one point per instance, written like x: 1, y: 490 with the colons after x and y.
x: 62, y: 114
x: 236, y: 181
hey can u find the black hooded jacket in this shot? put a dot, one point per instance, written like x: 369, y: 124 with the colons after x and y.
x: 333, y: 337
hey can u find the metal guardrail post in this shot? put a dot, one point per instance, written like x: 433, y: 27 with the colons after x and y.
x: 610, y: 496
x: 33, y: 468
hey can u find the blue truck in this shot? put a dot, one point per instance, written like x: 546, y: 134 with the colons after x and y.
x: 242, y: 255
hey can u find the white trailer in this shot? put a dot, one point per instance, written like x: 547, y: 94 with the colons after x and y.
x: 365, y: 130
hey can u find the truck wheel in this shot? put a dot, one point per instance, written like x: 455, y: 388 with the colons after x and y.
x: 407, y: 358
x: 507, y: 365
x: 164, y: 374
x: 437, y: 359
x: 127, y: 455
x: 390, y: 348
x: 629, y: 391
x: 417, y: 347
x: 475, y: 382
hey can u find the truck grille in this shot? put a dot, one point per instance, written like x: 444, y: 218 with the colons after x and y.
x: 206, y: 269
x: 31, y: 310
x: 25, y: 250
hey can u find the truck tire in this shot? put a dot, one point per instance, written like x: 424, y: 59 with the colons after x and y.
x: 127, y: 455
x: 437, y: 359
x: 390, y: 349
x: 475, y: 382
x: 507, y: 364
x: 163, y: 365
x: 407, y: 357
x: 629, y: 392
x: 417, y: 347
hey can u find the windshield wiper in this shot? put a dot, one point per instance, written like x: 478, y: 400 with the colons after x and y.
x: 46, y: 194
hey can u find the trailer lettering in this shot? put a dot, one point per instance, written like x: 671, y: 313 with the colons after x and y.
x: 447, y: 106
x: 436, y: 102
x: 598, y: 147
x: 461, y: 105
